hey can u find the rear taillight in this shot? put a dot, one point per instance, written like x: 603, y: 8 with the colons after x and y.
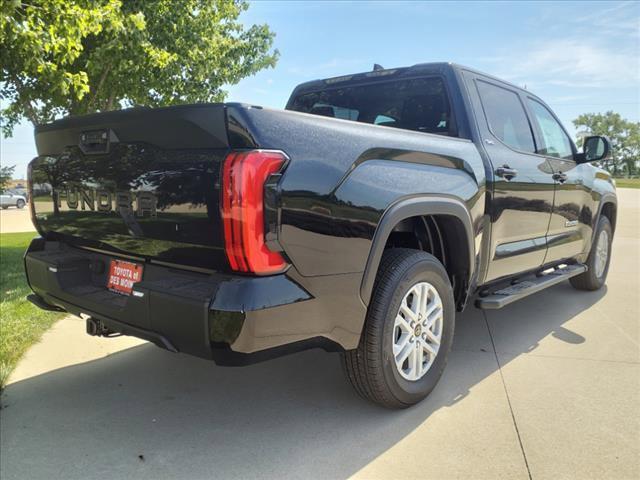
x: 243, y: 177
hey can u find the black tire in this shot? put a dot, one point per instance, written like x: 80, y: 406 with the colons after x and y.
x: 371, y: 367
x: 4, y: 207
x: 20, y: 203
x: 589, y: 280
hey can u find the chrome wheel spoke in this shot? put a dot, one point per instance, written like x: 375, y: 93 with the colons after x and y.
x: 407, y: 312
x: 406, y: 351
x: 416, y: 300
x: 430, y: 349
x: 403, y: 324
x: 424, y: 297
x: 434, y: 307
x: 433, y: 317
x: 401, y: 344
x: 433, y: 338
x: 417, y: 363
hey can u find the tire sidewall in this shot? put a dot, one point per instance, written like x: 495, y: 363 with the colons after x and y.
x: 431, y: 271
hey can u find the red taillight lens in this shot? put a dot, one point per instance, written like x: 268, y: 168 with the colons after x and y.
x: 243, y: 177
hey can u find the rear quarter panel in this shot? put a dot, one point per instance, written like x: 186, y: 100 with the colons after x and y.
x: 343, y: 176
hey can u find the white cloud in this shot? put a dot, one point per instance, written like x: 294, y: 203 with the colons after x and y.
x: 571, y: 62
x: 622, y: 19
x: 602, y: 50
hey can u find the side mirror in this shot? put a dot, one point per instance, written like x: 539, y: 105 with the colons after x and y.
x: 595, y: 148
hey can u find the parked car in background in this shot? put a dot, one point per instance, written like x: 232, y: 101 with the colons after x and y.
x: 21, y: 191
x: 11, y: 199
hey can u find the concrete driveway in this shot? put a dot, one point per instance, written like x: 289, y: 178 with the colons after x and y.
x: 16, y: 220
x: 547, y: 388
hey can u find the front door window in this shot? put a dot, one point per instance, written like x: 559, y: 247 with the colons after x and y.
x: 556, y: 141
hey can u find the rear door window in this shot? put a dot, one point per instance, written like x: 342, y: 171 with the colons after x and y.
x: 506, y: 116
x: 420, y: 104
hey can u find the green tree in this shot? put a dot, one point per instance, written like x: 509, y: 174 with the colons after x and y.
x: 82, y: 56
x: 624, y: 136
x: 5, y: 176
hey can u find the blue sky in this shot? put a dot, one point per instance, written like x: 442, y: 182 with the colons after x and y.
x: 578, y: 56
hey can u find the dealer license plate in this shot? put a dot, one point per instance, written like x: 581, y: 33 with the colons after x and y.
x: 123, y: 275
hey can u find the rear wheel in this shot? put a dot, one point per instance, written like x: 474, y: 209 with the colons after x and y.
x: 598, y: 259
x: 408, y: 332
x: 20, y: 203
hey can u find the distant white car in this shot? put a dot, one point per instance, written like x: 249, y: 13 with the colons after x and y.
x: 9, y: 199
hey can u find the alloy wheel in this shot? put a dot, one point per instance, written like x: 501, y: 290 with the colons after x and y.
x: 417, y: 331
x: 602, y: 253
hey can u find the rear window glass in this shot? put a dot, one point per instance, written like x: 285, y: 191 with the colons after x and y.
x: 418, y: 104
x: 334, y: 111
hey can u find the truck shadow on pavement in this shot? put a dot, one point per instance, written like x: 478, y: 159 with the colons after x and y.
x: 147, y: 413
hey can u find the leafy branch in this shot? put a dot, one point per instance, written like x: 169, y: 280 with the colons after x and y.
x: 75, y: 57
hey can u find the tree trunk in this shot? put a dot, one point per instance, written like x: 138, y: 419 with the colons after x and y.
x: 56, y: 199
x: 94, y: 97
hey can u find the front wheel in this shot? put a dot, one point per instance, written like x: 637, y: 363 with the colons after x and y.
x: 598, y: 259
x: 408, y: 331
x: 20, y: 203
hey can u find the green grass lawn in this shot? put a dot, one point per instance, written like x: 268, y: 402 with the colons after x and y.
x: 628, y: 182
x: 21, y: 323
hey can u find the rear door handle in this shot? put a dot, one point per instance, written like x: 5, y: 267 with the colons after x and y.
x: 560, y: 177
x: 506, y: 172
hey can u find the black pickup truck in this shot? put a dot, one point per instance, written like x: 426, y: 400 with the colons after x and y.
x: 358, y: 220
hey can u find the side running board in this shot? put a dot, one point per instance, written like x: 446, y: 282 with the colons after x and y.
x: 529, y: 285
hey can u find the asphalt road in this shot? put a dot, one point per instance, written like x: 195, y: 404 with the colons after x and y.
x: 546, y: 388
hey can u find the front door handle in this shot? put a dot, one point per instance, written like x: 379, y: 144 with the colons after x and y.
x: 506, y: 172
x: 560, y: 177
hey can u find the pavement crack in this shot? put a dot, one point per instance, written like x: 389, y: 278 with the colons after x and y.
x: 506, y: 392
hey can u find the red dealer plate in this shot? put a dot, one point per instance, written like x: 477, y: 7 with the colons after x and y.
x: 123, y: 275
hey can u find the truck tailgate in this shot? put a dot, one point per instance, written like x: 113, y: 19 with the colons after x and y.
x: 140, y: 182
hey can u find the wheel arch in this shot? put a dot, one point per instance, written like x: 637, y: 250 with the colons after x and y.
x: 609, y: 208
x: 460, y: 234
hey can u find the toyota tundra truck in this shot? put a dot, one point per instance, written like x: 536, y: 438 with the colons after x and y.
x: 358, y: 220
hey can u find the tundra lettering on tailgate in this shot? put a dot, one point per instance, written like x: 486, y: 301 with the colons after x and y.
x: 102, y: 200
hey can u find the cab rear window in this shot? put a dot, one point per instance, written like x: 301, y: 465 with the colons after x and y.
x: 420, y: 104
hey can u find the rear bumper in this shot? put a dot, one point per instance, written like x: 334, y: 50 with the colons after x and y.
x: 215, y: 316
